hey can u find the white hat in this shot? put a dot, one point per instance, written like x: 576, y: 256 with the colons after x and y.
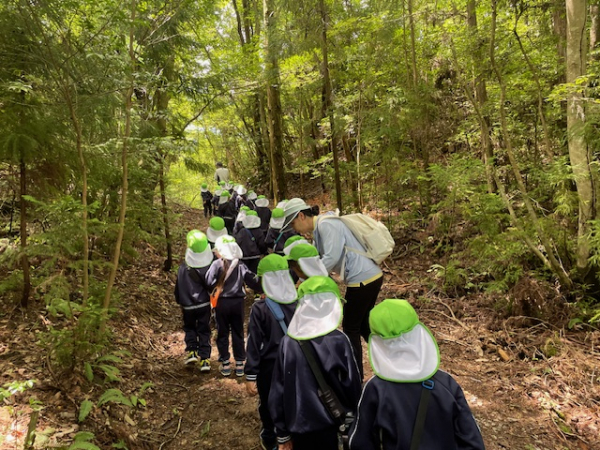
x: 291, y: 210
x: 241, y: 190
x: 262, y: 202
x: 401, y: 349
x: 251, y: 220
x: 198, y: 253
x: 319, y: 310
x: 276, y: 280
x: 228, y: 248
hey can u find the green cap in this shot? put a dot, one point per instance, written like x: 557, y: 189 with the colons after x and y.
x: 272, y: 263
x: 277, y: 213
x: 252, y: 213
x: 250, y: 192
x: 392, y: 318
x: 261, y: 196
x: 216, y: 223
x: 294, y: 238
x: 204, y: 185
x: 222, y: 183
x: 318, y: 284
x: 225, y: 193
x: 227, y: 239
x: 197, y: 241
x: 303, y: 251
x: 245, y: 208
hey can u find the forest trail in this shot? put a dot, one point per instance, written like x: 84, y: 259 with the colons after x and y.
x: 520, y: 402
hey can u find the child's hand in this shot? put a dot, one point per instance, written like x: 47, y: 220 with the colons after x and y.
x: 251, y: 388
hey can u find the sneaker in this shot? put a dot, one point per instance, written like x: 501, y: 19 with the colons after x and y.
x: 205, y: 365
x: 225, y: 368
x: 239, y: 368
x: 191, y: 358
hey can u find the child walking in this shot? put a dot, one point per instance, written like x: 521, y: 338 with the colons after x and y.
x: 192, y: 293
x: 206, y: 200
x: 276, y: 237
x: 229, y: 274
x: 251, y: 240
x: 265, y: 332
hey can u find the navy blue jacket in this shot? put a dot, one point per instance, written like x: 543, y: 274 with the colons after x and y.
x: 264, y: 336
x: 206, y: 196
x: 252, y: 242
x: 265, y: 217
x: 272, y: 236
x: 190, y: 290
x: 227, y: 210
x: 387, y: 413
x: 234, y: 284
x: 293, y: 400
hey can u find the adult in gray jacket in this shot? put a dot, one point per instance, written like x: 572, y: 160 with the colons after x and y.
x: 221, y: 173
x: 362, y: 276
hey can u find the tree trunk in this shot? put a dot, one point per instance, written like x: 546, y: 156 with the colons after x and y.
x: 560, y: 31
x: 24, y: 257
x: 328, y: 102
x: 594, y: 28
x: 579, y: 152
x: 487, y: 150
x: 274, y: 113
x: 124, y: 182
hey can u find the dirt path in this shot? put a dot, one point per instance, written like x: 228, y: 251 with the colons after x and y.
x: 521, y: 399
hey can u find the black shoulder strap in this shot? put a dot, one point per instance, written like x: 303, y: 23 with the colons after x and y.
x: 326, y: 394
x: 421, y: 414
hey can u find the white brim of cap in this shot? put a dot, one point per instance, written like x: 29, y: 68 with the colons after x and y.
x: 316, y: 315
x: 276, y: 223
x: 251, y: 222
x: 252, y: 196
x: 203, y: 189
x: 198, y: 260
x: 279, y: 286
x: 288, y: 249
x: 213, y: 235
x: 262, y: 202
x: 312, y: 266
x: 409, y: 358
x: 241, y: 190
x: 241, y: 215
x: 230, y: 251
x: 223, y: 200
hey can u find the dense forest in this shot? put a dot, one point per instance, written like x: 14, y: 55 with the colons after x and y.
x: 468, y: 127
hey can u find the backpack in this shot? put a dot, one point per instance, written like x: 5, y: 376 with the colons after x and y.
x: 372, y: 235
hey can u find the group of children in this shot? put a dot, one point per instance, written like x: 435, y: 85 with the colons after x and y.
x: 295, y: 358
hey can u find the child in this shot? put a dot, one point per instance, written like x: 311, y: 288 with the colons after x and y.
x: 206, y: 200
x: 252, y: 199
x: 251, y: 240
x: 262, y: 208
x: 294, y: 401
x: 291, y: 242
x: 305, y: 261
x: 192, y: 293
x: 229, y: 273
x: 264, y: 334
x: 227, y: 210
x: 403, y: 353
x: 241, y: 199
x: 275, y: 239
x: 216, y: 228
x: 238, y: 220
x: 217, y: 197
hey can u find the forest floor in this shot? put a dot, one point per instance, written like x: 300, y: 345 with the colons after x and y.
x: 531, y: 384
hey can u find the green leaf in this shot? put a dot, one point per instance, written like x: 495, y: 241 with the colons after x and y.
x: 114, y: 396
x: 83, y: 445
x: 89, y: 373
x: 84, y: 436
x: 134, y: 400
x: 85, y: 409
x: 205, y: 429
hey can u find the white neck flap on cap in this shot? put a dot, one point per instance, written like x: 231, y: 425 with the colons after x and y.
x: 230, y: 251
x: 276, y: 223
x: 408, y: 358
x: 312, y: 266
x: 262, y: 202
x: 213, y: 234
x: 288, y: 249
x: 240, y: 215
x: 223, y: 199
x: 279, y: 286
x: 251, y: 222
x: 198, y: 260
x: 316, y: 315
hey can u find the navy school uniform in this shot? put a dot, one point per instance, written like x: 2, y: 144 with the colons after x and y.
x: 192, y: 293
x: 294, y: 403
x: 276, y: 243
x: 265, y: 217
x: 228, y: 213
x: 207, y: 203
x: 387, y: 411
x: 264, y: 336
x: 252, y: 243
x: 229, y: 312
